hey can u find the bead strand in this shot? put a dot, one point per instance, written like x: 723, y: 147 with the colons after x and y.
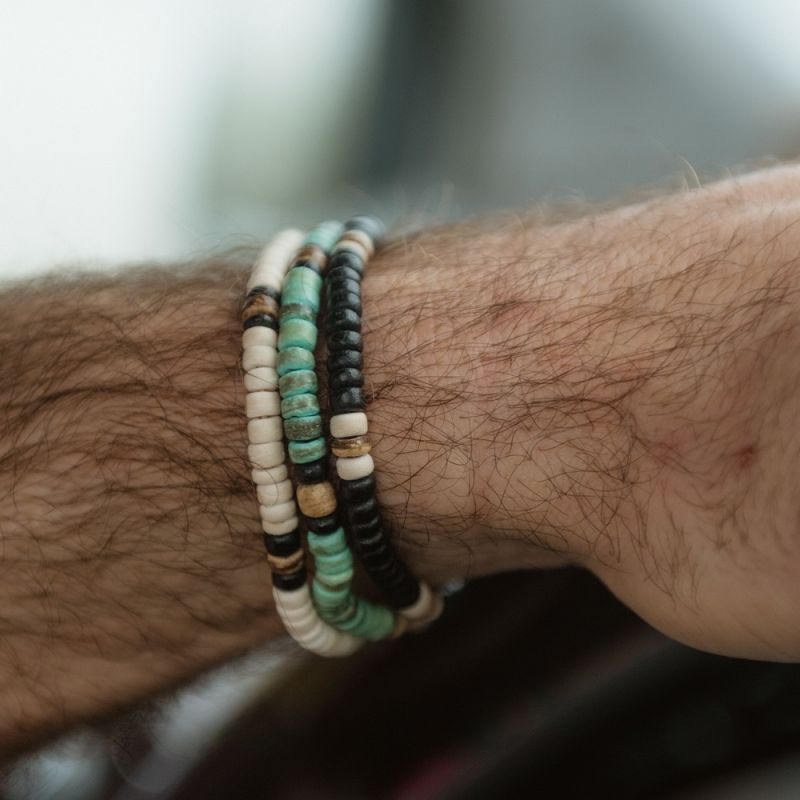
x: 302, y: 424
x: 350, y: 443
x: 277, y: 507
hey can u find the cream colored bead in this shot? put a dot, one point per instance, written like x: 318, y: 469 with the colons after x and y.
x: 425, y: 610
x: 259, y: 356
x: 279, y: 512
x: 259, y: 336
x: 274, y: 259
x: 350, y: 469
x: 274, y: 494
x: 354, y: 423
x: 279, y: 528
x: 262, y: 404
x: 269, y: 476
x: 299, y: 598
x: 358, y: 236
x: 266, y: 429
x: 354, y: 247
x: 266, y: 455
x: 261, y: 379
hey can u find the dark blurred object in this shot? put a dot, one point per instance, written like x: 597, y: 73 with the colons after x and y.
x: 531, y: 683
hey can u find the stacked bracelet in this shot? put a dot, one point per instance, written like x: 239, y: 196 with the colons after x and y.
x: 285, y: 555
x: 331, y: 587
x: 349, y: 428
x: 279, y: 339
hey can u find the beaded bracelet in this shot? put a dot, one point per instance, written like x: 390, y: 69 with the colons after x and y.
x: 350, y: 443
x: 297, y: 381
x: 285, y: 555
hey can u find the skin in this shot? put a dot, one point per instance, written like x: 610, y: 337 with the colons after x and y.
x: 617, y: 391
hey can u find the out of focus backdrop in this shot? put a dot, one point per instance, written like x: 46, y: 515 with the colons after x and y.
x: 165, y: 130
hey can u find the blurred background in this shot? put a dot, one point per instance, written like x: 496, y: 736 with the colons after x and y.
x: 165, y: 130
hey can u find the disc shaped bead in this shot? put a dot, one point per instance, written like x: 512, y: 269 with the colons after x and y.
x: 341, y: 319
x: 265, y: 429
x: 274, y: 494
x: 266, y: 455
x: 271, y: 475
x: 316, y: 499
x: 350, y: 424
x: 277, y: 528
x: 301, y: 381
x: 279, y: 512
x: 294, y: 358
x: 346, y: 378
x: 348, y: 399
x: 302, y: 452
x: 262, y: 404
x: 303, y: 429
x: 350, y: 469
x: 312, y: 471
x: 297, y: 311
x: 352, y: 447
x: 259, y: 336
x: 344, y: 340
x: 259, y: 356
x: 301, y: 405
x: 297, y: 333
x: 324, y: 235
x: 261, y: 379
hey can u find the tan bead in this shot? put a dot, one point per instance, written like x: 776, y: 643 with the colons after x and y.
x: 259, y: 304
x: 352, y: 447
x: 353, y: 246
x: 316, y: 499
x: 360, y: 237
x: 400, y: 626
x: 286, y: 565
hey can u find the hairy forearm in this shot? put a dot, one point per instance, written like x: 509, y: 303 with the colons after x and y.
x: 615, y: 392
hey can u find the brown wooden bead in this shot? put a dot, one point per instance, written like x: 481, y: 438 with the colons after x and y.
x: 260, y: 304
x: 352, y: 447
x: 316, y: 499
x: 286, y: 565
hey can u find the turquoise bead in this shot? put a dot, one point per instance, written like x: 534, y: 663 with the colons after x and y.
x: 330, y: 596
x: 301, y: 405
x: 325, y: 235
x: 328, y: 543
x: 302, y: 381
x: 297, y: 333
x: 294, y: 358
x: 298, y: 311
x: 302, y: 287
x: 303, y: 452
x: 303, y: 429
x: 333, y: 563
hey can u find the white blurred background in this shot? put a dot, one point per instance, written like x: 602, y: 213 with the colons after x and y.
x: 161, y: 130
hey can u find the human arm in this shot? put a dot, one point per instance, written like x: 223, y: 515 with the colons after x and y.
x: 614, y: 391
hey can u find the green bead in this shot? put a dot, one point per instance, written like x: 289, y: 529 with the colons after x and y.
x: 378, y: 625
x: 328, y: 596
x: 303, y: 429
x: 301, y: 405
x: 301, y: 381
x: 302, y: 287
x: 333, y: 563
x: 325, y: 235
x: 327, y: 544
x: 303, y: 452
x: 297, y: 333
x: 294, y: 358
x: 297, y: 311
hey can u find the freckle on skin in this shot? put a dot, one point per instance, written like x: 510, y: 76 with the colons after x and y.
x: 744, y: 458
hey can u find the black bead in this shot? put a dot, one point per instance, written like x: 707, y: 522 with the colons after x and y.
x: 366, y: 528
x: 347, y: 258
x: 290, y: 583
x: 348, y: 300
x: 405, y: 595
x: 377, y: 554
x: 372, y: 541
x: 267, y: 290
x: 344, y: 340
x: 344, y: 400
x: 343, y: 319
x: 341, y: 283
x: 346, y: 378
x: 359, y: 488
x: 344, y: 359
x: 341, y: 273
x: 264, y: 320
x: 283, y: 545
x: 312, y: 472
x: 368, y: 224
x: 364, y: 509
x: 322, y: 525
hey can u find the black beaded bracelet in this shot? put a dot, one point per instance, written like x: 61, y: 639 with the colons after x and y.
x: 350, y: 444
